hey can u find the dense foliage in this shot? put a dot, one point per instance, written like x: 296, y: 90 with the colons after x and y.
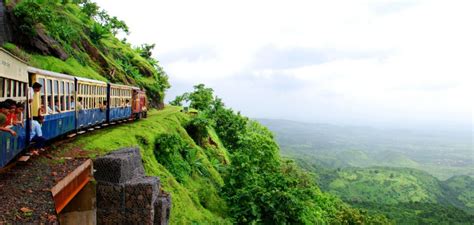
x: 259, y: 186
x: 78, y: 38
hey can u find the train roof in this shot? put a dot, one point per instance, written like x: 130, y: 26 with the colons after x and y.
x: 124, y: 86
x: 49, y: 73
x: 90, y: 80
x: 12, y: 67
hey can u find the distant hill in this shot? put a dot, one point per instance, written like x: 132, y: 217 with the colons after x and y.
x: 460, y: 192
x: 441, y: 153
x: 398, y: 173
x: 397, y: 192
x: 383, y: 185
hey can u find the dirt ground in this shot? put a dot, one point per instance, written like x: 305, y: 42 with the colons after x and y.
x: 25, y: 195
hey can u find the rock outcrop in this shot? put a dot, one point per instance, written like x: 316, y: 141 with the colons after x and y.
x: 125, y: 195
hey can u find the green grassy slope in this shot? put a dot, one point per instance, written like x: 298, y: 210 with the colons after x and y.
x: 80, y: 40
x: 196, y: 198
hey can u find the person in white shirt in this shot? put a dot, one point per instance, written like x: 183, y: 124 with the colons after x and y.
x: 36, y: 135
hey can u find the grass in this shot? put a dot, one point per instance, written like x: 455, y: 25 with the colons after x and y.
x: 195, y: 200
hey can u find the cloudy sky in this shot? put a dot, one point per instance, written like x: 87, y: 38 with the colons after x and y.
x: 340, y: 61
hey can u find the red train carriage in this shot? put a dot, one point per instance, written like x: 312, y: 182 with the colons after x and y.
x: 139, y: 104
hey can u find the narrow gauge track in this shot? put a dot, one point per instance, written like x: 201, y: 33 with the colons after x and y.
x: 58, y: 142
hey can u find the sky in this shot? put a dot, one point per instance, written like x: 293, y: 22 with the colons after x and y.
x: 356, y: 62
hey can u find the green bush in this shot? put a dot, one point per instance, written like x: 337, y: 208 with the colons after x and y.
x: 170, y: 151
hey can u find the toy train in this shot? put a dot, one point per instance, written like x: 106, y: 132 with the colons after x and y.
x: 66, y: 104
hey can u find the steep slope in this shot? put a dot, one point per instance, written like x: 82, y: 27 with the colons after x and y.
x: 80, y: 39
x: 202, y: 177
x: 195, y: 194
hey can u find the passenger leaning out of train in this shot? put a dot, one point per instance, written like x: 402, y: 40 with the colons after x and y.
x: 17, y: 116
x: 36, y: 136
x: 20, y: 115
x: 4, y: 110
x: 12, y: 117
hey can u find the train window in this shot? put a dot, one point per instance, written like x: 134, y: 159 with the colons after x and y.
x: 14, y: 89
x: 56, y: 87
x: 2, y: 89
x: 67, y: 96
x: 71, y: 88
x: 63, y: 96
x: 49, y: 96
x: 57, y: 97
x: 8, y: 88
x: 21, y: 89
x: 43, y: 100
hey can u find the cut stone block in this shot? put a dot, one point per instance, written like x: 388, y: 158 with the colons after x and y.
x: 139, y: 217
x: 110, y: 196
x: 141, y: 192
x: 110, y: 217
x: 120, y: 166
x: 162, y: 209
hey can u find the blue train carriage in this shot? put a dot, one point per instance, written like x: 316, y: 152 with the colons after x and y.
x: 13, y: 85
x: 55, y: 107
x: 91, y: 103
x: 120, y: 99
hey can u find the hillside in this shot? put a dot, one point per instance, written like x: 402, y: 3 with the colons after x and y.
x: 219, y: 166
x: 199, y: 172
x: 80, y: 39
x: 195, y: 196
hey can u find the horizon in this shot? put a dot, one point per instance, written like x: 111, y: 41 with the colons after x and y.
x: 375, y: 63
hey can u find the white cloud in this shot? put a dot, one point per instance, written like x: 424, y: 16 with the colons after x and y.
x: 419, y: 65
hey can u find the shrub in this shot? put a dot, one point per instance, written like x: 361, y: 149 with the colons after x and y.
x: 170, y: 151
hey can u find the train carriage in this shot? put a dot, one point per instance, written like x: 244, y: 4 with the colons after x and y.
x: 139, y: 103
x: 64, y: 104
x: 91, y: 102
x: 120, y: 102
x: 56, y: 104
x: 13, y: 85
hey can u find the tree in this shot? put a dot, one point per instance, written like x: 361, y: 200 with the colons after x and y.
x: 91, y: 9
x: 145, y: 50
x: 201, y: 98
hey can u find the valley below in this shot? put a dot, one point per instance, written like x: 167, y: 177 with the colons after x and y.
x: 410, y: 176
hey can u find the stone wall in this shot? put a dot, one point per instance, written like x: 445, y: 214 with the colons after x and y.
x: 125, y: 195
